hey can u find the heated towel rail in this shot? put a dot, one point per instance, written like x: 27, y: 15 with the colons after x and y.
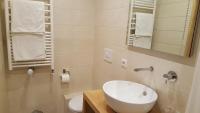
x: 144, y: 6
x: 49, y: 39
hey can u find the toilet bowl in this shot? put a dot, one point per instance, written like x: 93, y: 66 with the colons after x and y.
x: 74, y: 103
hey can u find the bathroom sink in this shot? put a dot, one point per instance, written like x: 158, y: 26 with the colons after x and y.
x: 129, y: 97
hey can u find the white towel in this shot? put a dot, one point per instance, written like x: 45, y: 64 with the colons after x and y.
x: 28, y: 47
x: 144, y: 24
x: 142, y: 42
x: 28, y: 16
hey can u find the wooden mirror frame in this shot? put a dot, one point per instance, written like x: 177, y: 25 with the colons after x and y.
x: 188, y: 52
x: 192, y: 26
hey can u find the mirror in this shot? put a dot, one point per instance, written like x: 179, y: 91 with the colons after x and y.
x: 162, y: 25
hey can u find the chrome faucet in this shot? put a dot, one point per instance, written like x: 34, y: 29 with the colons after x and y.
x: 144, y: 69
x: 171, y: 76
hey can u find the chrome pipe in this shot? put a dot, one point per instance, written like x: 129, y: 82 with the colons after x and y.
x: 144, y: 69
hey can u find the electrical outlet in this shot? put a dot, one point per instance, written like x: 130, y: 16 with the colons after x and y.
x: 124, y: 63
x: 108, y: 55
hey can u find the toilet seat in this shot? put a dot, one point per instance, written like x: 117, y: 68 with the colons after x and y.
x: 76, y: 104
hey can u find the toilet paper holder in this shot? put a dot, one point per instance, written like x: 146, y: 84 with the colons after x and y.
x: 66, y: 72
x: 65, y: 76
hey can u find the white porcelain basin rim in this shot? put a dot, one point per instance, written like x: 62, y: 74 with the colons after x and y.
x: 121, y: 93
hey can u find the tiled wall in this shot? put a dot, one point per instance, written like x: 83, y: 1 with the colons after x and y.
x: 74, y: 47
x: 171, y: 19
x: 74, y: 40
x: 74, y: 43
x: 74, y: 26
x: 111, y: 29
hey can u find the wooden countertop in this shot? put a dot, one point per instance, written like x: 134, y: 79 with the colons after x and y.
x: 96, y: 101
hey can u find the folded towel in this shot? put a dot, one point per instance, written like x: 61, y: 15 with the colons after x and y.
x: 28, y: 47
x: 142, y: 42
x: 144, y: 24
x: 28, y: 16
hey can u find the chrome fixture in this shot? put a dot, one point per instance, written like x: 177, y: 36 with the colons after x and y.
x: 66, y: 71
x: 144, y: 69
x: 171, y: 76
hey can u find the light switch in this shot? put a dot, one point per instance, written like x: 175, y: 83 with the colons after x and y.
x: 108, y: 54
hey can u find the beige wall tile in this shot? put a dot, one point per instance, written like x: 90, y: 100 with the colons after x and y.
x: 83, y: 28
x: 171, y: 26
x: 113, y: 36
x: 74, y: 49
x: 175, y: 23
x: 173, y: 10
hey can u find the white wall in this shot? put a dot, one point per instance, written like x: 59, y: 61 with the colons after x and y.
x: 194, y: 103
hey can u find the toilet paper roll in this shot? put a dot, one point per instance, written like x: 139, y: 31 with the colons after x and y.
x: 65, y: 78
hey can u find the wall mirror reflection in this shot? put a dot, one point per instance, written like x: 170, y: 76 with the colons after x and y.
x: 163, y: 25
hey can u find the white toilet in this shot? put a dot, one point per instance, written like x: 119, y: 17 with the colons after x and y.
x: 74, y: 103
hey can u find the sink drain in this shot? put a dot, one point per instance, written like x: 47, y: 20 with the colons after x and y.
x: 37, y: 111
x: 144, y: 93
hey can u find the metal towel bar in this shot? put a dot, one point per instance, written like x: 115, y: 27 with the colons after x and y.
x: 49, y: 39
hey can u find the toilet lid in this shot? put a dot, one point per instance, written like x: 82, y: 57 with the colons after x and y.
x: 76, y: 103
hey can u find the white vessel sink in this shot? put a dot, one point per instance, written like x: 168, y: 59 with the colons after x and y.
x: 129, y: 97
